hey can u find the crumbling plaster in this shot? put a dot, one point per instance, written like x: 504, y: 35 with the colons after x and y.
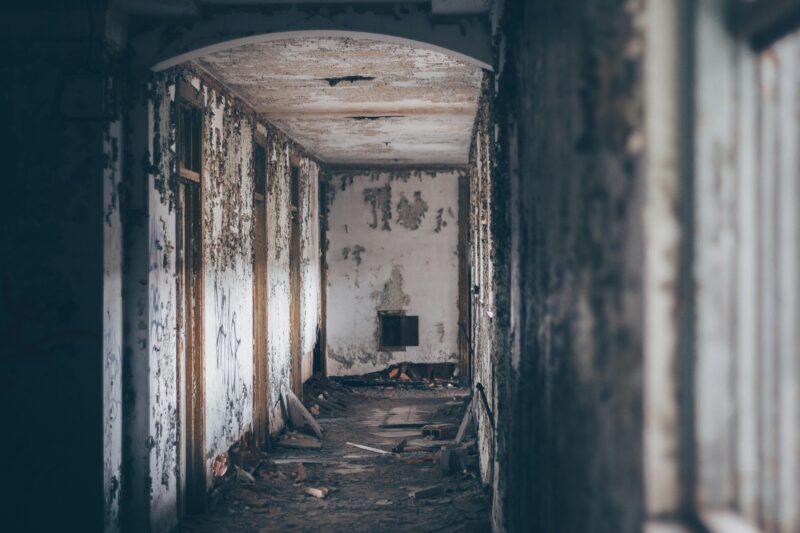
x: 227, y: 226
x: 358, y: 100
x: 482, y: 275
x: 374, y: 258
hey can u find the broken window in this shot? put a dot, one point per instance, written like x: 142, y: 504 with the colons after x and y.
x: 399, y: 331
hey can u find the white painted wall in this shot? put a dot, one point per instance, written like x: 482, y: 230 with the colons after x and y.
x: 227, y: 199
x: 412, y: 269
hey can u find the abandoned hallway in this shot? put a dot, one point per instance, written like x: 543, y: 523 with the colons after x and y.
x: 423, y: 265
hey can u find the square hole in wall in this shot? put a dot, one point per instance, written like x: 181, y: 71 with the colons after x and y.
x: 398, y: 330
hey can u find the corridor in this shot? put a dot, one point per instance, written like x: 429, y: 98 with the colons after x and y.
x: 401, y: 265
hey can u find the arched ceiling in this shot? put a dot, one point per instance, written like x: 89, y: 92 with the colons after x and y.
x: 357, y: 101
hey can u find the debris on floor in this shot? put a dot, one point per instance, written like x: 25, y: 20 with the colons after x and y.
x: 360, y: 472
x: 408, y: 375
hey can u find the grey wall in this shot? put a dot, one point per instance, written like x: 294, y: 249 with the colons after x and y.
x: 567, y: 210
x: 392, y: 245
x: 747, y: 273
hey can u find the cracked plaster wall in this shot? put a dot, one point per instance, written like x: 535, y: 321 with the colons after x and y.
x: 482, y: 263
x: 388, y: 250
x: 227, y: 225
x: 281, y: 152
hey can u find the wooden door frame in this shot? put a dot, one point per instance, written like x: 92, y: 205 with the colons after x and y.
x: 294, y: 277
x: 192, y: 485
x: 260, y: 308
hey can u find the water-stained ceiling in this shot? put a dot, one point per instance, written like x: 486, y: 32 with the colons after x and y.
x: 358, y: 101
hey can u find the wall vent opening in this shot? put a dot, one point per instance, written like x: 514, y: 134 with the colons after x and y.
x: 398, y: 331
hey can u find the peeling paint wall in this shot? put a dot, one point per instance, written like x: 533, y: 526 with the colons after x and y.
x: 113, y: 140
x: 567, y: 227
x: 227, y: 226
x: 159, y: 315
x: 227, y: 206
x: 282, y: 152
x: 389, y: 251
x: 310, y: 274
x: 482, y: 262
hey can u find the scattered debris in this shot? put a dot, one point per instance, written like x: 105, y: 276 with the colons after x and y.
x: 243, y: 476
x: 300, y: 473
x: 299, y: 415
x: 453, y: 460
x: 440, y: 431
x: 316, y: 492
x: 404, y: 377
x: 368, y: 448
x: 465, y: 422
x: 393, y: 373
x: 400, y: 446
x: 293, y: 460
x: 426, y: 492
x: 315, y: 410
x: 220, y: 466
x: 296, y: 441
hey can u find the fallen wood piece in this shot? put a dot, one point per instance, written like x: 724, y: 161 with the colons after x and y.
x: 440, y: 431
x: 292, y: 460
x: 426, y: 492
x: 400, y: 446
x: 418, y: 460
x: 315, y: 492
x: 243, y: 476
x: 403, y: 425
x: 300, y: 416
x: 465, y: 421
x: 261, y: 463
x: 332, y: 406
x: 300, y: 444
x: 426, y: 449
x: 358, y: 382
x: 300, y: 473
x: 368, y: 448
x: 453, y: 460
x: 428, y: 443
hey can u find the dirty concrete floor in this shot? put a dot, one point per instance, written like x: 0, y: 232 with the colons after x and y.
x: 369, y: 491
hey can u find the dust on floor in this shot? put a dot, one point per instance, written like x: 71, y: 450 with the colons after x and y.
x: 367, y: 491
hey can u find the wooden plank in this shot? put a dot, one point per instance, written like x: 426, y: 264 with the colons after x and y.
x: 299, y: 415
x: 465, y: 420
x: 300, y: 444
x: 368, y: 448
x: 260, y: 326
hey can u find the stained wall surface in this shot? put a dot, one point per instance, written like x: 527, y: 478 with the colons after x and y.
x: 227, y: 251
x: 392, y: 246
x: 568, y: 197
